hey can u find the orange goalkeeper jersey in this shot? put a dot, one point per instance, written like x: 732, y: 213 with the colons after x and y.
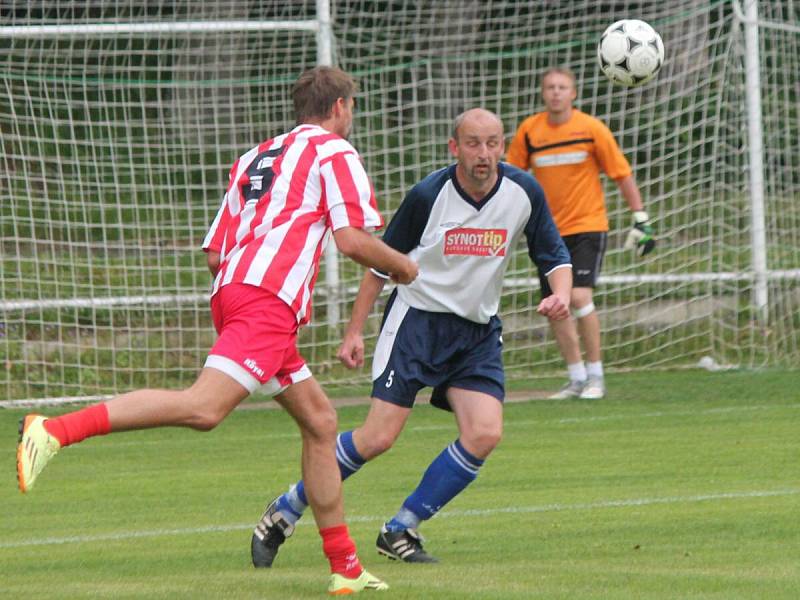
x: 567, y: 160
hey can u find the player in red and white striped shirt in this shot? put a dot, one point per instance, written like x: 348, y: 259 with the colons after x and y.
x: 285, y: 198
x: 314, y: 182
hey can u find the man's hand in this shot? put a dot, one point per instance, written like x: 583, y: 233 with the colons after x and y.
x: 351, y: 352
x: 640, y: 237
x: 554, y: 308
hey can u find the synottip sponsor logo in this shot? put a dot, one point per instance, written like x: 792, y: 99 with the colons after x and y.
x: 475, y: 242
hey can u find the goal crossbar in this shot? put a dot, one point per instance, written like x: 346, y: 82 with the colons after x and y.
x: 88, y: 29
x: 514, y: 283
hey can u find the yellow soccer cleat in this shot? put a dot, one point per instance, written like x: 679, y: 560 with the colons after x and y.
x: 341, y: 585
x: 35, y: 449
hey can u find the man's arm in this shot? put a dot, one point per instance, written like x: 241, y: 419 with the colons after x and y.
x: 212, y: 259
x: 640, y: 236
x: 556, y: 305
x: 630, y: 191
x: 351, y: 352
x: 369, y: 251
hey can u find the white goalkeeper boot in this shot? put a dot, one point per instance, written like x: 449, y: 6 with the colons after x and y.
x: 572, y: 389
x: 594, y: 389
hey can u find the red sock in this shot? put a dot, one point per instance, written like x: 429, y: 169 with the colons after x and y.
x: 76, y: 426
x: 340, y: 549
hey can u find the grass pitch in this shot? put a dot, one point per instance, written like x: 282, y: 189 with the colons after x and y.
x: 678, y: 485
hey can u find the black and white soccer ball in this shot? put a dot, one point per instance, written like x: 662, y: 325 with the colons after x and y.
x: 630, y: 52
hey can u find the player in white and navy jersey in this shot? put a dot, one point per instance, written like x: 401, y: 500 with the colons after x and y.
x: 461, y: 224
x: 285, y: 199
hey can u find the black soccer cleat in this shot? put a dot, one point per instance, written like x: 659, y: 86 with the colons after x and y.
x: 403, y: 545
x: 270, y: 532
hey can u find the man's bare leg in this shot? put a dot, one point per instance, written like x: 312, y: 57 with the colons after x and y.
x: 202, y: 406
x: 307, y: 403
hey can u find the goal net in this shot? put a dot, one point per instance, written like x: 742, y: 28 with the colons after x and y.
x: 119, y: 121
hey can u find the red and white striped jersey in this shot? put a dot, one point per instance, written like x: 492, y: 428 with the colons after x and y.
x: 284, y: 198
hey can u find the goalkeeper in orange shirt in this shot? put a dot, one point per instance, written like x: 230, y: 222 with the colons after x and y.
x: 567, y: 150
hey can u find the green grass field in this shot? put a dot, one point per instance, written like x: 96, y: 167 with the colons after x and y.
x: 679, y: 485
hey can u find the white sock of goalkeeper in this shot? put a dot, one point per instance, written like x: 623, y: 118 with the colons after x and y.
x: 294, y: 502
x: 577, y: 371
x: 594, y: 369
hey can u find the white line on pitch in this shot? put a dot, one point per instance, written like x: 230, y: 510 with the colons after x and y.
x: 128, y: 535
x: 654, y: 414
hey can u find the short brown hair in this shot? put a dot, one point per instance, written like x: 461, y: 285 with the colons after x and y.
x: 317, y: 90
x: 561, y: 71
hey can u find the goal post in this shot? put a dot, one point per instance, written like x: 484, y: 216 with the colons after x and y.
x: 119, y: 121
x: 119, y: 124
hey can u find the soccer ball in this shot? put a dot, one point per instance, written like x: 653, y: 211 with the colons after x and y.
x: 630, y: 52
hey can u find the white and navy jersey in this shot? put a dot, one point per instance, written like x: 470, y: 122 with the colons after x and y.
x: 463, y: 247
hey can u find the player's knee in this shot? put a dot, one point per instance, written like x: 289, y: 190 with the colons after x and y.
x: 196, y: 412
x: 584, y: 311
x: 206, y: 418
x: 204, y: 423
x: 483, y: 439
x: 376, y: 443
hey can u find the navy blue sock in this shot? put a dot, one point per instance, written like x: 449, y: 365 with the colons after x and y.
x: 448, y: 474
x: 347, y: 456
x: 290, y: 506
x: 349, y: 461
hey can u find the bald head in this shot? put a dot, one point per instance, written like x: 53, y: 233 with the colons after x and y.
x: 477, y: 118
x: 477, y: 144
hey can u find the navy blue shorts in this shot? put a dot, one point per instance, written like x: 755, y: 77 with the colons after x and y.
x: 418, y: 348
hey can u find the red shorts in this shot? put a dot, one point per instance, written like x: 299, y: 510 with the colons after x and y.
x: 257, y: 343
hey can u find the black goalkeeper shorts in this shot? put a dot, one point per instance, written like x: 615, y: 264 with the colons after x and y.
x: 587, y: 251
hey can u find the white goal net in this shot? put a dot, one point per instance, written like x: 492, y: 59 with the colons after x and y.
x: 119, y: 121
